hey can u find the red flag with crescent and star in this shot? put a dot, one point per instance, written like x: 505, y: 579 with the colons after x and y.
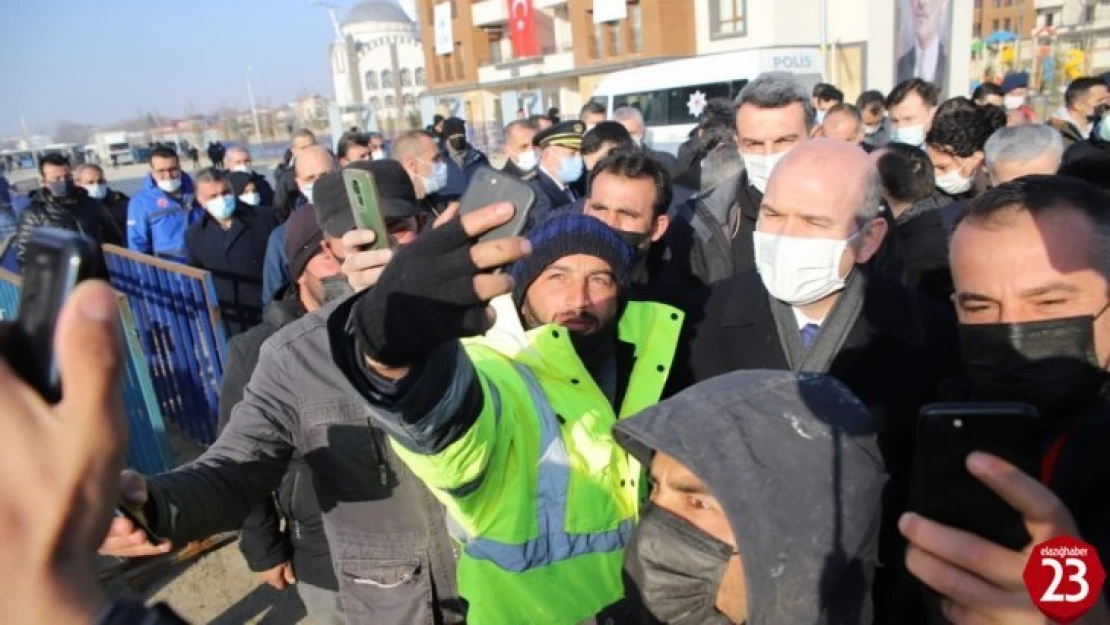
x: 522, y: 27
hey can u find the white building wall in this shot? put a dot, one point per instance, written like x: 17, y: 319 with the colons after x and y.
x: 377, y: 40
x: 780, y: 23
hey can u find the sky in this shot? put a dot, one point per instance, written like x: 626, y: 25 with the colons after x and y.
x: 98, y: 61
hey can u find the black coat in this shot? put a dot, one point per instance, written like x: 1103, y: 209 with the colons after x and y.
x: 748, y: 201
x: 79, y: 213
x: 263, y: 543
x: 287, y: 195
x: 235, y: 258
x: 1083, y: 149
x: 116, y: 203
x: 549, y: 199
x: 923, y: 240
x: 894, y: 359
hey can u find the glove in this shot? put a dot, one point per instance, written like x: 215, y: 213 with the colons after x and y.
x: 424, y: 298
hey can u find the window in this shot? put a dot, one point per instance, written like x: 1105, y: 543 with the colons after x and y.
x: 1090, y: 13
x: 595, y: 42
x: 977, y: 31
x: 406, y: 77
x: 978, y: 4
x: 408, y: 100
x: 371, y: 80
x: 1006, y: 24
x: 420, y: 77
x: 1048, y: 18
x: 995, y: 26
x: 387, y: 79
x: 997, y: 3
x: 616, y: 43
x: 636, y: 15
x: 728, y: 18
x: 671, y: 106
x: 390, y: 102
x: 495, y: 55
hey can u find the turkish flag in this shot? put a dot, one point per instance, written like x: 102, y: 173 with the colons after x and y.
x: 522, y: 26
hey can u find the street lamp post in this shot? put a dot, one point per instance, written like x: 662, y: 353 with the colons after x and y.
x: 254, y: 111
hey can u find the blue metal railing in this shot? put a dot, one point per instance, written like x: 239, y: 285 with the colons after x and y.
x: 148, y: 449
x: 180, y: 329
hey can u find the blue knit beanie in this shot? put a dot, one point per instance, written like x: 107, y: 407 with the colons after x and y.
x: 565, y: 235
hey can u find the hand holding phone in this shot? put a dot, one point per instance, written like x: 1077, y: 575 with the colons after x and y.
x: 488, y: 187
x: 362, y: 193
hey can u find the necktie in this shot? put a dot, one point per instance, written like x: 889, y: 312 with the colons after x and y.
x: 809, y: 334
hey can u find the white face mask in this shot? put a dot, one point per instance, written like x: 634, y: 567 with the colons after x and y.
x: 170, y: 186
x: 799, y: 271
x: 1103, y: 130
x: 438, y: 179
x: 759, y: 168
x: 221, y: 207
x: 953, y: 183
x: 378, y: 155
x: 870, y: 130
x: 821, y: 116
x: 1013, y: 102
x: 306, y: 191
x: 910, y: 135
x: 242, y: 167
x: 527, y: 160
x: 97, y: 191
x: 254, y: 199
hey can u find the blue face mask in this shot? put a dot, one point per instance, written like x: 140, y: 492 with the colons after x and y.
x: 438, y: 180
x: 221, y: 208
x: 571, y: 168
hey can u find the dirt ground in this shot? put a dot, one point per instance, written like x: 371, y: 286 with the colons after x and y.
x: 216, y: 588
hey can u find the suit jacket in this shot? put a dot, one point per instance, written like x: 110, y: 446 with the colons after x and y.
x: 894, y: 359
x: 549, y: 199
x: 235, y: 259
x: 907, y: 66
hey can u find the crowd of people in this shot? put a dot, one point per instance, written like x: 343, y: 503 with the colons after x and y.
x: 688, y: 393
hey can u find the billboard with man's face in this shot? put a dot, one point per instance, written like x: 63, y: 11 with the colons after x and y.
x: 924, y: 41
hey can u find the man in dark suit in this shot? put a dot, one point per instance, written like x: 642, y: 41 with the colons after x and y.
x: 559, y: 169
x: 811, y: 305
x: 230, y: 241
x: 633, y: 120
x: 522, y: 158
x: 927, y: 59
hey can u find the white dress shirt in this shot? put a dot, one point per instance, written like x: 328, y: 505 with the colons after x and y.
x: 927, y: 60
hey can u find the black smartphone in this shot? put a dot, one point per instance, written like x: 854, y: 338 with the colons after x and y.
x: 943, y: 489
x: 134, y: 514
x: 54, y: 262
x: 490, y: 186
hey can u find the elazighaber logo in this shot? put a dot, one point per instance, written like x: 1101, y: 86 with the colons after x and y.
x: 1064, y: 577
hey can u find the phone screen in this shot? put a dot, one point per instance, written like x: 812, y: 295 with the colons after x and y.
x: 944, y: 491
x: 365, y: 207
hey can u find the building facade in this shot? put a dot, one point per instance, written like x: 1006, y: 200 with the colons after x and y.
x: 1015, y: 16
x: 1079, y: 29
x: 380, y: 63
x: 481, y: 69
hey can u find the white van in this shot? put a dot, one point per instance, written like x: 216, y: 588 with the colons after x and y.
x: 672, y: 94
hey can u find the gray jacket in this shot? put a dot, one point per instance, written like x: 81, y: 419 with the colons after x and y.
x: 390, y: 549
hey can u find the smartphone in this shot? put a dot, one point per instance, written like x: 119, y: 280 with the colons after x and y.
x: 943, y: 489
x: 54, y: 262
x: 134, y: 514
x: 363, y: 195
x: 489, y: 186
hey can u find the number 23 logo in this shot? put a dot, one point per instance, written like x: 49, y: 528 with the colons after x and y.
x: 1051, y: 594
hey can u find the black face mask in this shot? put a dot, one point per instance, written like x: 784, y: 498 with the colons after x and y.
x: 676, y: 569
x: 635, y: 240
x: 1049, y: 364
x: 335, y: 288
x: 457, y: 144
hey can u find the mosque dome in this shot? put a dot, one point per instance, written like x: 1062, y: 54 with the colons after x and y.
x: 377, y: 11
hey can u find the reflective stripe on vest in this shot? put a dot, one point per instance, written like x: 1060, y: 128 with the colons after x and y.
x: 552, y: 543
